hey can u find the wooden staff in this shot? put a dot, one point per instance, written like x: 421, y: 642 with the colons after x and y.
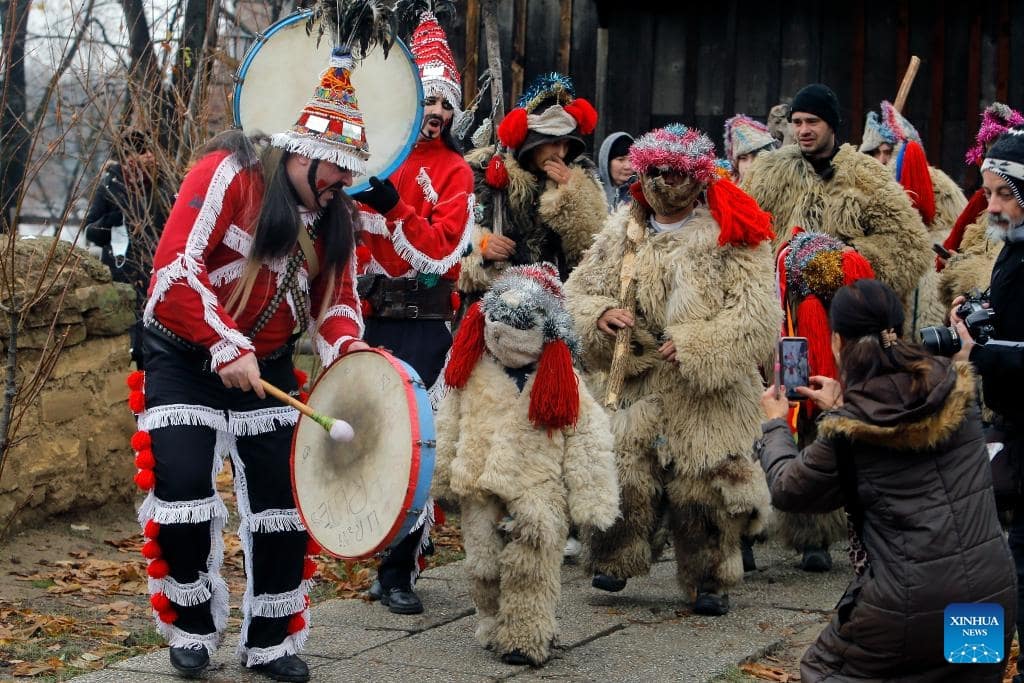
x: 908, y: 80
x: 491, y: 37
x: 635, y: 235
x: 338, y: 429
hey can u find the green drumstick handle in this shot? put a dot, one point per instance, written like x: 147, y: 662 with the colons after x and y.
x: 338, y: 429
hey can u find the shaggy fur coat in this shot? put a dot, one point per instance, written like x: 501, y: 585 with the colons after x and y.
x: 949, y: 202
x: 971, y: 267
x: 683, y: 432
x: 548, y: 222
x: 519, y: 489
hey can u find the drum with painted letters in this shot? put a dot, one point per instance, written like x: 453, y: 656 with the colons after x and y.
x: 358, y: 498
x: 278, y: 74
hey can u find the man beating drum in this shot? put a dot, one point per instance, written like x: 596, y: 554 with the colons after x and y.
x: 252, y: 249
x: 414, y: 232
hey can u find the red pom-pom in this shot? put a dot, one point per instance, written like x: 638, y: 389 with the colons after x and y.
x: 741, y: 222
x: 363, y: 254
x: 137, y: 401
x: 916, y: 179
x: 456, y: 301
x: 152, y: 529
x: 144, y: 460
x: 160, y: 602
x: 158, y: 569
x: 151, y: 550
x: 304, y: 396
x: 168, y: 616
x: 366, y: 308
x: 312, y: 547
x: 308, y: 569
x: 584, y: 113
x: 513, y: 128
x: 555, y: 397
x: 296, y: 623
x: 136, y: 380
x: 141, y: 441
x: 467, y: 348
x: 145, y: 479
x: 300, y: 376
x: 496, y: 174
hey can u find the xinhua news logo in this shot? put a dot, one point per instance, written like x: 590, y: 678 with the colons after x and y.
x: 973, y: 633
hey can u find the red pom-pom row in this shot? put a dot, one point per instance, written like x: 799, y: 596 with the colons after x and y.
x: 151, y: 550
x: 496, y: 174
x: 308, y: 569
x: 158, y: 569
x: 141, y: 441
x: 312, y: 547
x: 145, y: 479
x: 168, y: 616
x: 136, y: 380
x: 160, y: 602
x: 513, y: 128
x: 152, y: 529
x: 136, y: 401
x: 296, y: 623
x: 144, y: 460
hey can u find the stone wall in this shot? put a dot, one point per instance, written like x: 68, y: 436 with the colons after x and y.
x: 71, y: 447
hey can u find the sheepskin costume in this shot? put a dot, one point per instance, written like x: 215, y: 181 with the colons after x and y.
x: 683, y: 430
x: 548, y: 222
x: 527, y: 451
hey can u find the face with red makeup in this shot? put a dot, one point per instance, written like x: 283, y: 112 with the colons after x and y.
x: 316, y: 190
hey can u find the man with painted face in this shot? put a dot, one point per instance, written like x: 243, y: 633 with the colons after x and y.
x: 705, y: 316
x: 415, y: 228
x: 255, y: 247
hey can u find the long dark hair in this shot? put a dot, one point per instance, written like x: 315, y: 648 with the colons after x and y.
x: 860, y: 313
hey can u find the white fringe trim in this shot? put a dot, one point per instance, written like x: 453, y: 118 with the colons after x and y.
x: 213, y: 204
x: 185, y: 594
x: 315, y: 147
x: 425, y: 264
x: 429, y: 193
x: 439, y: 389
x: 256, y: 422
x: 238, y: 239
x: 222, y: 353
x: 182, y: 512
x: 279, y: 604
x: 329, y: 352
x: 426, y: 523
x: 180, y: 414
x: 175, y: 637
x: 374, y: 224
x: 292, y: 645
x: 270, y: 521
x: 228, y: 273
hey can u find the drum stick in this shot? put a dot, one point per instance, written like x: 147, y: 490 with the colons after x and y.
x: 338, y: 429
x: 908, y: 80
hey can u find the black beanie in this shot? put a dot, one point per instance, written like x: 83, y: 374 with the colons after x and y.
x: 819, y: 100
x: 1006, y: 158
x: 620, y: 147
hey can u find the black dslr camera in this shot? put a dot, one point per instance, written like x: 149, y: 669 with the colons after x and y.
x: 944, y: 341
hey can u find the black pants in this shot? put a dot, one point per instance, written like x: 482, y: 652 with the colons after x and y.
x: 194, y: 423
x: 423, y: 344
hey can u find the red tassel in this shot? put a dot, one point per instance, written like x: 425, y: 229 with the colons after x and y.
x: 144, y: 460
x: 301, y: 377
x: 741, y: 221
x: 158, y: 569
x: 152, y: 529
x: 584, y: 113
x: 136, y: 380
x: 296, y: 623
x: 168, y: 616
x: 141, y: 441
x: 366, y: 308
x: 136, y: 401
x: 160, y: 602
x: 812, y: 322
x: 917, y: 181
x: 513, y: 128
x: 312, y: 547
x: 968, y: 216
x: 145, y: 479
x: 856, y: 267
x: 308, y: 569
x: 555, y: 397
x: 151, y: 550
x: 456, y: 301
x: 496, y: 174
x: 636, y: 191
x: 467, y: 348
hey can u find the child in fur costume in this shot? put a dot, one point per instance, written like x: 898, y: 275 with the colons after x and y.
x: 526, y: 450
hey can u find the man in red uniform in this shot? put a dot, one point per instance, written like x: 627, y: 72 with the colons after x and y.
x: 415, y: 228
x: 252, y: 249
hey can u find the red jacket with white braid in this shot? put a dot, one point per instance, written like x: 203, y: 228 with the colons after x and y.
x: 200, y: 260
x: 428, y: 230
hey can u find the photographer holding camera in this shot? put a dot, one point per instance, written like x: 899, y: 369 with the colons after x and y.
x: 1000, y: 360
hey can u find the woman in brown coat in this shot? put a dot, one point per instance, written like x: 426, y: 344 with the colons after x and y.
x: 899, y: 445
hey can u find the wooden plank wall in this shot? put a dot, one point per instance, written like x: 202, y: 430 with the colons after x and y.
x: 700, y: 63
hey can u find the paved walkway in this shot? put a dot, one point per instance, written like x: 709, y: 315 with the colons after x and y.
x: 645, y: 633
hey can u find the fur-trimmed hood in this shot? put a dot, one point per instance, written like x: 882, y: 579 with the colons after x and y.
x: 886, y: 411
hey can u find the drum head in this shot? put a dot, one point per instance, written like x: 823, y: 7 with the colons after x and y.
x: 279, y: 73
x: 354, y: 497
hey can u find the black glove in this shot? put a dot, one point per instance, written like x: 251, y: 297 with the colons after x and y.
x: 382, y: 195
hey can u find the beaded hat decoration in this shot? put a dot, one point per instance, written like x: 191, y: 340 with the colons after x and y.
x: 995, y: 120
x: 435, y: 62
x: 682, y: 149
x: 744, y: 135
x: 330, y: 126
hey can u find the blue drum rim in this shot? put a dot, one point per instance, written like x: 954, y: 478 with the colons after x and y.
x: 425, y: 417
x: 302, y: 15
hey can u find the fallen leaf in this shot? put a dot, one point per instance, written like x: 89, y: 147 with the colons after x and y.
x: 28, y: 669
x: 80, y: 527
x: 90, y: 657
x: 765, y: 673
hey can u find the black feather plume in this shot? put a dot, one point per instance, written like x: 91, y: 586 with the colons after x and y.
x: 355, y: 25
x: 408, y: 13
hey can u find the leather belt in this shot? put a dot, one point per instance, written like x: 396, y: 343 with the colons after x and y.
x: 406, y: 298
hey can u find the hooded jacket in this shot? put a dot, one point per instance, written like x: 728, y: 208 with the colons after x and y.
x: 917, y: 468
x: 615, y: 194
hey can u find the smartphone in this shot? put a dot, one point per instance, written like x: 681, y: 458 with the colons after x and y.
x: 794, y: 370
x: 941, y: 250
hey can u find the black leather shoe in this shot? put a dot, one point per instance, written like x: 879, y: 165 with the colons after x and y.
x: 288, y: 668
x: 747, y: 550
x: 401, y: 601
x: 711, y: 604
x: 189, y: 662
x: 816, y: 560
x: 375, y: 590
x: 605, y: 582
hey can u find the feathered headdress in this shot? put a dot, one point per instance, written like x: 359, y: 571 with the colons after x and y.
x: 355, y: 26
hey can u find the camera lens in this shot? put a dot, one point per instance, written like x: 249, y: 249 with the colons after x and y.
x: 941, y: 341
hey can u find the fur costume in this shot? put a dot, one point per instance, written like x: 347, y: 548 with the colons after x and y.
x: 548, y: 222
x: 527, y: 451
x: 683, y: 431
x: 971, y: 267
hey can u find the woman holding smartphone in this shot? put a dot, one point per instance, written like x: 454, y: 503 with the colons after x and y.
x: 900, y: 446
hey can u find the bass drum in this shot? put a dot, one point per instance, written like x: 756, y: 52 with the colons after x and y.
x: 358, y: 498
x: 278, y: 74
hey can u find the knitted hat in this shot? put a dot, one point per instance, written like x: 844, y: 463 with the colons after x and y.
x: 435, y: 62
x: 526, y: 297
x: 995, y: 120
x: 900, y: 127
x: 330, y: 126
x: 548, y: 111
x: 744, y: 135
x: 875, y: 134
x: 819, y: 100
x: 1006, y: 159
x: 682, y: 149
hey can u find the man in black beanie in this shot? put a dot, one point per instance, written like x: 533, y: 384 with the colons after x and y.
x: 820, y: 185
